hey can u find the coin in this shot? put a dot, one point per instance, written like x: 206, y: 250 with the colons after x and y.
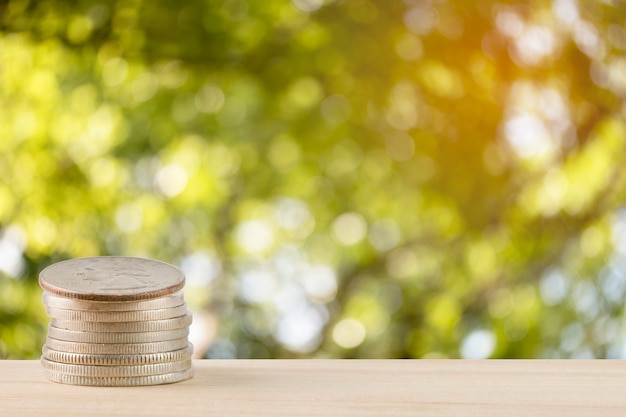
x: 115, y: 321
x: 107, y: 360
x: 111, y: 278
x: 125, y: 326
x: 116, y: 348
x: 116, y: 370
x: 65, y: 303
x: 120, y: 381
x: 116, y: 316
x: 94, y: 337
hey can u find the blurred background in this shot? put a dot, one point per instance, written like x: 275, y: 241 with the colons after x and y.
x: 336, y: 178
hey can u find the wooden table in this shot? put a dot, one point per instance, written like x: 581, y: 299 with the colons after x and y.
x: 336, y: 388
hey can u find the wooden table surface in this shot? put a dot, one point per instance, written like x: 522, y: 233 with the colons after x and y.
x: 337, y: 388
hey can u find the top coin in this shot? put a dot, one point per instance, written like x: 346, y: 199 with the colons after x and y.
x: 111, y: 278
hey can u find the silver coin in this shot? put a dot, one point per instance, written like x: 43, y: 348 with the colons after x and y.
x: 64, y: 303
x: 120, y: 381
x: 116, y: 348
x: 125, y: 326
x: 92, y: 337
x: 111, y: 278
x: 108, y: 360
x: 116, y: 370
x: 116, y: 316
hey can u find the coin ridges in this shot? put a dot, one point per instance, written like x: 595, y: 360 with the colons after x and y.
x: 114, y: 316
x: 107, y: 360
x: 116, y: 348
x: 51, y: 300
x: 111, y: 278
x: 119, y: 382
x: 116, y: 371
x: 94, y: 337
x: 125, y: 326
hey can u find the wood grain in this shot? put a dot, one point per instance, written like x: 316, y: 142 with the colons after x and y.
x: 336, y: 388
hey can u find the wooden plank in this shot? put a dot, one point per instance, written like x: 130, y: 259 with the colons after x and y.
x: 336, y: 388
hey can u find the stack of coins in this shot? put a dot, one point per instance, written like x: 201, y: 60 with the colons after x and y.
x: 115, y: 321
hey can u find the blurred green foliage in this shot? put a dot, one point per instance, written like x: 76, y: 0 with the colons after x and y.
x: 337, y: 178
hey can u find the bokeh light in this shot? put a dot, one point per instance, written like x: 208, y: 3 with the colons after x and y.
x: 349, y: 179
